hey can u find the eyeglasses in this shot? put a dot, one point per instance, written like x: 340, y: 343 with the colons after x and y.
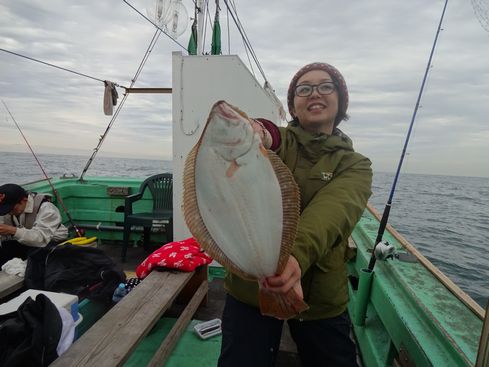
x: 305, y: 90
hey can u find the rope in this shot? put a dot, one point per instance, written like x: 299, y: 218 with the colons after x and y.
x: 245, y: 37
x: 56, y: 66
x: 160, y: 29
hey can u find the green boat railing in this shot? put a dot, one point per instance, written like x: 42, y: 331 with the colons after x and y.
x: 409, y: 315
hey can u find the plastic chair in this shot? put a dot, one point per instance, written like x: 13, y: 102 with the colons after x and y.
x: 161, y: 188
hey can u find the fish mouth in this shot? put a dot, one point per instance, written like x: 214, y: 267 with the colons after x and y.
x: 241, y: 141
x: 223, y: 109
x: 227, y: 113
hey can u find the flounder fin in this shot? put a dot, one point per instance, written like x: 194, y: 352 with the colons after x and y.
x: 282, y: 307
x: 233, y: 167
x: 195, y: 222
x: 290, y: 206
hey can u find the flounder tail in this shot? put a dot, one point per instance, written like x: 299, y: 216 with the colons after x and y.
x: 282, y: 307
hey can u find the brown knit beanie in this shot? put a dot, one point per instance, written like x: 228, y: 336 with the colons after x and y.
x: 338, y: 81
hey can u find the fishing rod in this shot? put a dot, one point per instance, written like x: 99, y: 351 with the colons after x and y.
x: 388, y: 205
x: 77, y: 230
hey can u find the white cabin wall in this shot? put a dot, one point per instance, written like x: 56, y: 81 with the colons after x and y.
x: 198, y: 82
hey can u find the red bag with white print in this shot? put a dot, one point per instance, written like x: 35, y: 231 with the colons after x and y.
x: 184, y: 255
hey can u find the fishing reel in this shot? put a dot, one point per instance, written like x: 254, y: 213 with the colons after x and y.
x: 384, y: 250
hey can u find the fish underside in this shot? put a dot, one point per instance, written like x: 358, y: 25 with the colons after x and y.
x: 241, y: 203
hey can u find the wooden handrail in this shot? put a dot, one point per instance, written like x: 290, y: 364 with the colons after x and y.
x: 165, y: 349
x: 149, y: 90
x: 450, y: 285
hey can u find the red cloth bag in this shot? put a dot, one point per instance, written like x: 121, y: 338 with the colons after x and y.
x: 183, y: 255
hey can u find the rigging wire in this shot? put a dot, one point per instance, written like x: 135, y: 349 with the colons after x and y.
x: 152, y: 44
x: 57, y: 67
x: 245, y: 38
x: 121, y: 104
x: 246, y: 48
x: 385, y: 214
x: 153, y: 23
x: 55, y: 192
x: 252, y: 50
x: 229, y: 35
x: 249, y: 61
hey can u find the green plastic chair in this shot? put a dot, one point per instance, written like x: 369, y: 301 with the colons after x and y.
x: 161, y: 189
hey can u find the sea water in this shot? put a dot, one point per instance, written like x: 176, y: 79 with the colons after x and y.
x: 445, y: 217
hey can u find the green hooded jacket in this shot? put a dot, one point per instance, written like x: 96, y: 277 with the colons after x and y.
x: 335, y: 184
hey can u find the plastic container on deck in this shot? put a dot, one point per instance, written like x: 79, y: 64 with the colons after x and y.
x: 67, y: 301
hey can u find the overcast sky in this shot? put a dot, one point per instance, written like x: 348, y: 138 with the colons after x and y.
x: 381, y: 47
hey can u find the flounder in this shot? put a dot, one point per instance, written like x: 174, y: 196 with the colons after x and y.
x: 242, y: 204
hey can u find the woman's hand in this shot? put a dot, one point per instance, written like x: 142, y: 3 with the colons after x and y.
x: 266, y: 138
x: 290, y: 278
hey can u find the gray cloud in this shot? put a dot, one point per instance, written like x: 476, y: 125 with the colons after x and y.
x: 380, y: 46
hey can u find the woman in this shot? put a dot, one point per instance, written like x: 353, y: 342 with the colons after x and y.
x: 335, y: 184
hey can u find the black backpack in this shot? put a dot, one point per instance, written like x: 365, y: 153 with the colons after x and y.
x: 83, y: 271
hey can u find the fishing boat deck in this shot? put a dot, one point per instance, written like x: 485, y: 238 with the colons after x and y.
x: 214, y: 306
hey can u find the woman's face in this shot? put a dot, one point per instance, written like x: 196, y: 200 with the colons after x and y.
x: 317, y: 112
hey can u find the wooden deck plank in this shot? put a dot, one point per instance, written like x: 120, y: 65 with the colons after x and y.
x: 177, y: 330
x: 9, y: 284
x: 114, y: 337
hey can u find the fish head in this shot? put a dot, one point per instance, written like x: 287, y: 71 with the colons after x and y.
x: 228, y: 131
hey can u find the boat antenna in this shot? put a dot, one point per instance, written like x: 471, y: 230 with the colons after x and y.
x: 385, y: 214
x: 55, y: 192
